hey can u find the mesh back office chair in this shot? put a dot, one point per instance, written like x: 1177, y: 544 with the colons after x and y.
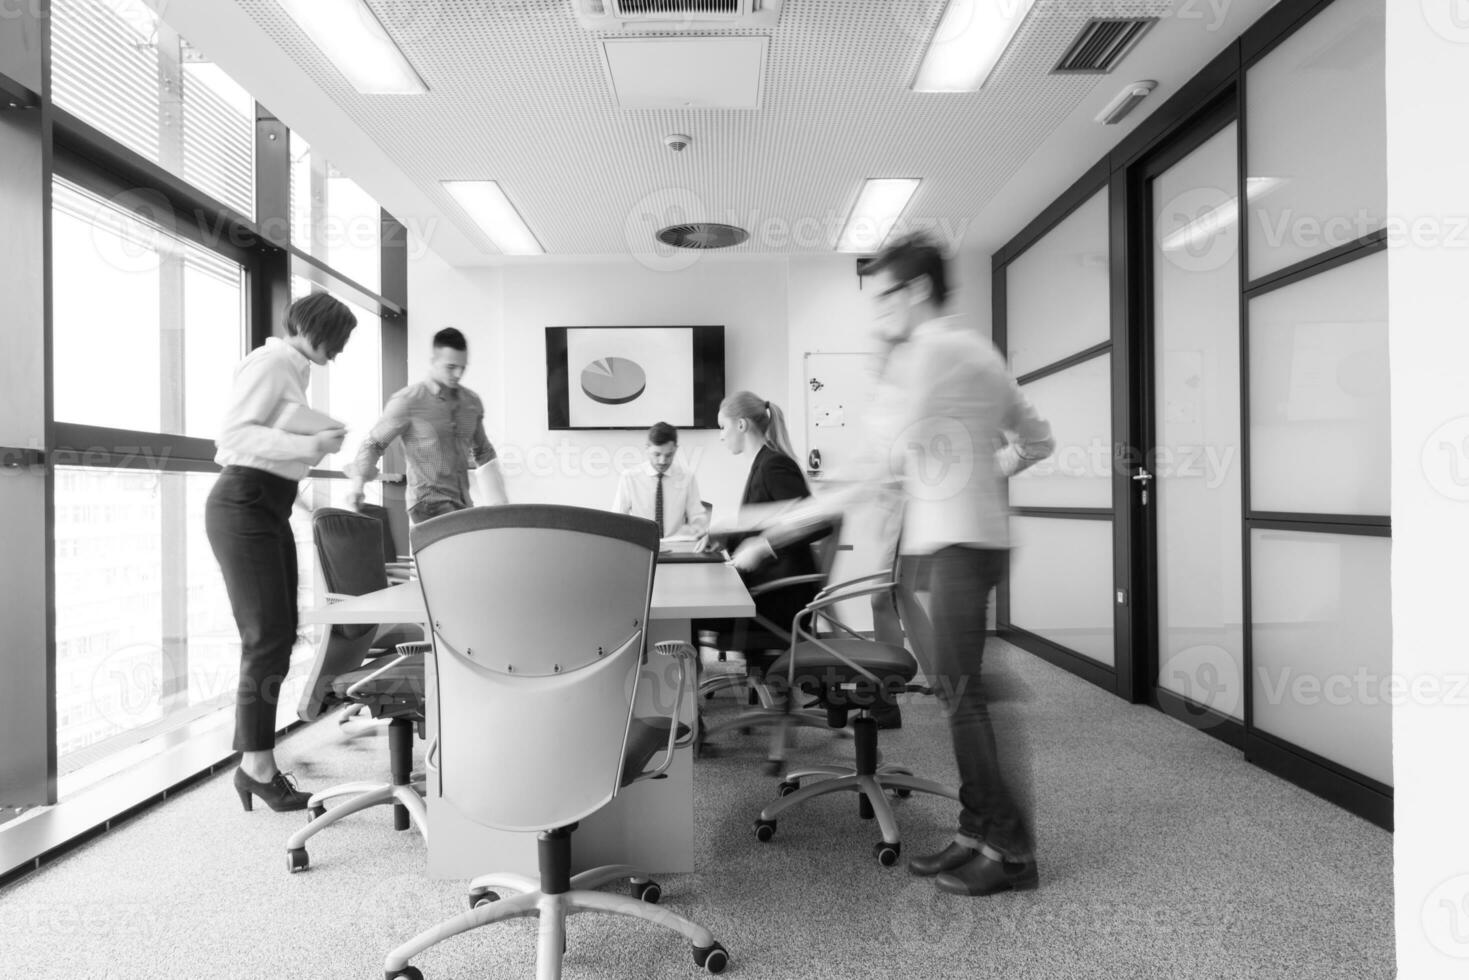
x: 539, y: 615
x: 851, y: 673
x: 349, y: 546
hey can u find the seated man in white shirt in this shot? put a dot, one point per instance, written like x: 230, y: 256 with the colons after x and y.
x: 661, y: 490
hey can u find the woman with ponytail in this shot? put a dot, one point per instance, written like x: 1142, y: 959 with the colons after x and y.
x: 749, y: 422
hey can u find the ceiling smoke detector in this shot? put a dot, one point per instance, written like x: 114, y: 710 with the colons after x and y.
x: 677, y: 142
x: 702, y: 235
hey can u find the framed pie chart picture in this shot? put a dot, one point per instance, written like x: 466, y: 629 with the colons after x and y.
x: 630, y: 377
x: 613, y: 380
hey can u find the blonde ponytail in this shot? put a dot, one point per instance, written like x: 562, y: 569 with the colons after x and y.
x: 765, y: 416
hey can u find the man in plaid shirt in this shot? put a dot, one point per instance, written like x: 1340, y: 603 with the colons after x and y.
x: 442, y: 426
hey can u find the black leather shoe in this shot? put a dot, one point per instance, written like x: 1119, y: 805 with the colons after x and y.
x: 279, y: 793
x: 951, y: 857
x: 986, y: 876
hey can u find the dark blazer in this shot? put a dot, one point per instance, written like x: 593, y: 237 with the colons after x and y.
x: 773, y: 477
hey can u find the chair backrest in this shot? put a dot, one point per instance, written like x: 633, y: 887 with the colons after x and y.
x: 349, y: 548
x: 379, y: 513
x: 539, y: 616
x: 826, y: 547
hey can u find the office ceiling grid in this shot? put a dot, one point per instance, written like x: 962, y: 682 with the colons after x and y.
x: 518, y: 93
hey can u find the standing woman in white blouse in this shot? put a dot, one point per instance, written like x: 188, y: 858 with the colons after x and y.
x: 247, y: 518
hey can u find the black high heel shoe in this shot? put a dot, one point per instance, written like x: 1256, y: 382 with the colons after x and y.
x: 279, y: 793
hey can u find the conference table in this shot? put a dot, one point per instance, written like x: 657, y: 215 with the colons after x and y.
x: 650, y: 824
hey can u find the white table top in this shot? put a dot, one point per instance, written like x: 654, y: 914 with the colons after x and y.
x: 703, y: 590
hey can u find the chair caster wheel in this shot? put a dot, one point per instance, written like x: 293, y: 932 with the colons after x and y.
x: 407, y: 973
x: 296, y: 860
x: 902, y: 792
x: 482, y: 896
x: 886, y: 854
x: 712, y: 958
x: 647, y: 891
x: 787, y: 787
x: 312, y: 812
x: 764, y: 830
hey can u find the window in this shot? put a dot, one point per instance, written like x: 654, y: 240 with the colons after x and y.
x: 147, y: 327
x: 333, y: 219
x: 118, y: 67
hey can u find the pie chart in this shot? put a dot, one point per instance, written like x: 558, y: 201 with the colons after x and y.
x: 613, y: 380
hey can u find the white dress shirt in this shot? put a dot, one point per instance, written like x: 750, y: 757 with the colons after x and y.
x: 950, y: 438
x: 271, y: 376
x: 682, y: 508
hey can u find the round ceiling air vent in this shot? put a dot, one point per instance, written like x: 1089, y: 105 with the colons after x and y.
x: 702, y: 234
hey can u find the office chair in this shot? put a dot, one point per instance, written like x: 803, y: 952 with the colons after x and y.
x: 399, y: 565
x: 355, y: 718
x: 761, y: 641
x: 389, y: 687
x: 852, y: 673
x: 539, y: 617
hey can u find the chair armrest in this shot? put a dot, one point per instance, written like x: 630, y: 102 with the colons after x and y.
x: 683, y: 653
x: 784, y: 583
x: 841, y: 586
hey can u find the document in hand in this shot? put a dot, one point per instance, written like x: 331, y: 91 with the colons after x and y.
x: 303, y: 420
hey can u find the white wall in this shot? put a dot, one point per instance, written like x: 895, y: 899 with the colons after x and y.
x: 1428, y: 294
x: 747, y: 297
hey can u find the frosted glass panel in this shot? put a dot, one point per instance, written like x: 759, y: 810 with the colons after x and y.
x: 1317, y: 137
x: 1195, y: 460
x: 1061, y: 583
x: 1322, y: 645
x: 1078, y: 404
x: 1319, y: 393
x: 1056, y: 296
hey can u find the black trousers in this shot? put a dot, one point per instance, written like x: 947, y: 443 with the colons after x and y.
x: 985, y: 713
x: 247, y: 519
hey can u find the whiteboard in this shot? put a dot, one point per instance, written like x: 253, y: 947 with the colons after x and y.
x: 839, y: 388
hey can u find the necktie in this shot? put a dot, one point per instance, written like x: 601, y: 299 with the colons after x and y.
x: 658, y: 505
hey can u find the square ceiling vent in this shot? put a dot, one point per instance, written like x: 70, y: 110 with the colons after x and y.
x: 686, y: 72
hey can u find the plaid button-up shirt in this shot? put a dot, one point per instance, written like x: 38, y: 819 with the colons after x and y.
x: 443, y: 433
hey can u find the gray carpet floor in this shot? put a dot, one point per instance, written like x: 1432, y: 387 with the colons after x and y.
x: 1163, y: 854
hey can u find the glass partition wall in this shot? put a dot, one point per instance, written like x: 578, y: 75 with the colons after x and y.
x: 1202, y: 317
x: 160, y: 193
x: 1058, y: 337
